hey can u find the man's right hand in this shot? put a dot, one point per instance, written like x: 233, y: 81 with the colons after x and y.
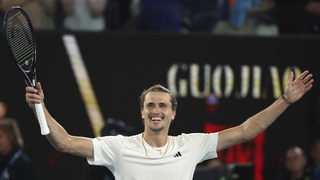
x: 32, y: 96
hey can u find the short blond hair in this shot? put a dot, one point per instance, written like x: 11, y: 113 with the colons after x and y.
x: 159, y: 88
x: 10, y: 127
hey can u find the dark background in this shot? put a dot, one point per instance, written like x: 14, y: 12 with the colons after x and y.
x: 121, y: 65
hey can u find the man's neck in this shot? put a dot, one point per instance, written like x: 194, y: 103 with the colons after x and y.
x: 155, y: 139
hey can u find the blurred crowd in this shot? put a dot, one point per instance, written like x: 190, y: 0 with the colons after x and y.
x: 231, y: 17
x: 298, y: 165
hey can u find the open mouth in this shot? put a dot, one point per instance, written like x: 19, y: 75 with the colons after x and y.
x: 156, y: 119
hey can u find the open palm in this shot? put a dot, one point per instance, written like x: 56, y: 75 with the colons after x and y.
x: 297, y: 88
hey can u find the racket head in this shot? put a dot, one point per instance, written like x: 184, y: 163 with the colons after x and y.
x: 21, y: 42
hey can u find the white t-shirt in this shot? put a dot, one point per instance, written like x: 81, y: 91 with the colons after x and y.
x: 127, y: 158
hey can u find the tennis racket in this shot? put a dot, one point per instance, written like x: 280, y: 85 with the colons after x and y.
x: 22, y: 47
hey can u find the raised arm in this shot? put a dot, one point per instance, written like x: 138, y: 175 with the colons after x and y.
x: 58, y: 136
x: 259, y: 122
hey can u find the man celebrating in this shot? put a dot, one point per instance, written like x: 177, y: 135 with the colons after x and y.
x: 154, y: 154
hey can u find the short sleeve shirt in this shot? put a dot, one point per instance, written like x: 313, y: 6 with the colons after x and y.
x: 130, y: 158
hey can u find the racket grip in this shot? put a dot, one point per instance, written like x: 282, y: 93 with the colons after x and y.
x: 42, y: 119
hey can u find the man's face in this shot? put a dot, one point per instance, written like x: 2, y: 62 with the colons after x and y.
x: 295, y: 161
x: 157, y: 111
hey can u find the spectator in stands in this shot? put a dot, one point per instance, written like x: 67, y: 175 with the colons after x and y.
x: 41, y: 12
x: 246, y: 17
x: 84, y: 15
x: 295, y: 163
x: 155, y: 15
x: 315, y: 163
x: 14, y: 164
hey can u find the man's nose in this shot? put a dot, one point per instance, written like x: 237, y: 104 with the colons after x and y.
x: 156, y: 110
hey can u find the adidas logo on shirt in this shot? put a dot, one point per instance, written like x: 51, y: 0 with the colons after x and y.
x: 177, y: 155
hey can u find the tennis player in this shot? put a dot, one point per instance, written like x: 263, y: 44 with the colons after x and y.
x: 154, y: 154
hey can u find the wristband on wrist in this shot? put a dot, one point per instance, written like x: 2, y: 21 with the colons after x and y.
x: 285, y: 100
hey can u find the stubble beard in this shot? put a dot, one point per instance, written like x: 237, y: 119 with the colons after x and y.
x: 158, y: 129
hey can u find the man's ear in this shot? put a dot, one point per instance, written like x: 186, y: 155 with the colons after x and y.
x: 141, y: 111
x: 173, y: 115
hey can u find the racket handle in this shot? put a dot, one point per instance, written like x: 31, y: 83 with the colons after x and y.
x: 42, y: 119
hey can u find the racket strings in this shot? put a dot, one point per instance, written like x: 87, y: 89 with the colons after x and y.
x: 20, y: 38
x: 21, y: 48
